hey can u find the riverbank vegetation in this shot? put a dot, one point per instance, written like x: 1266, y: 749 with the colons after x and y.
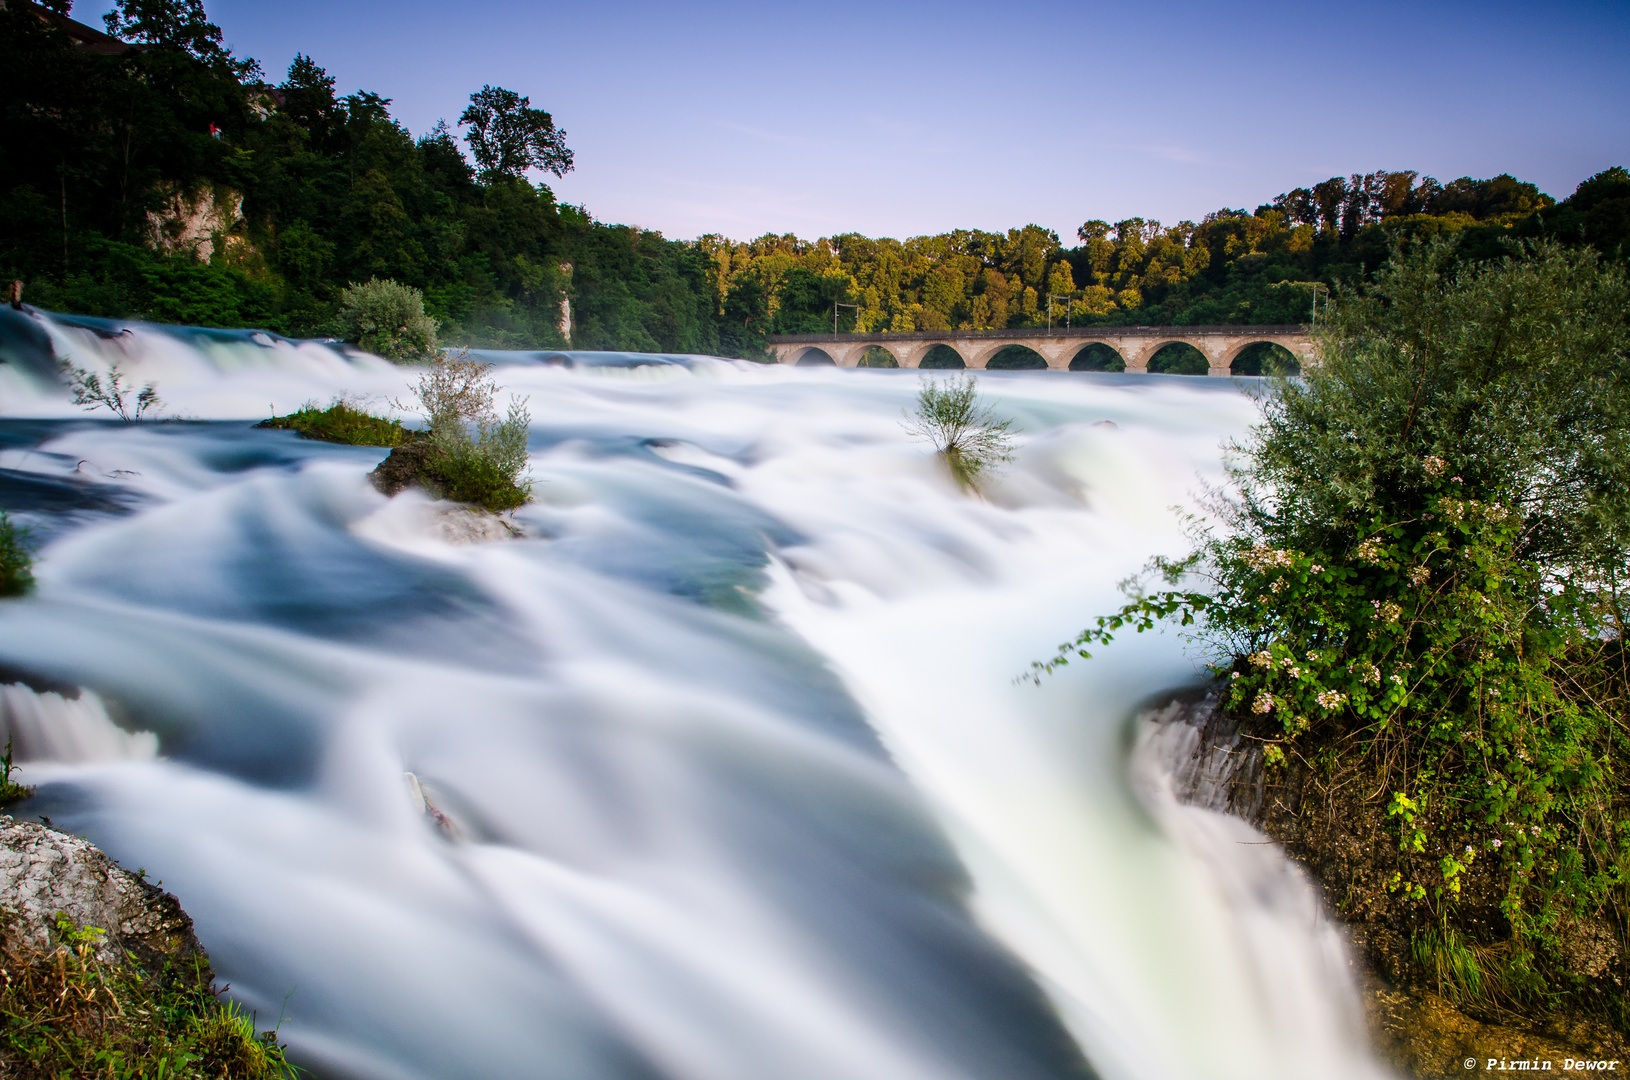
x: 67, y: 1012
x: 173, y: 182
x: 1415, y: 589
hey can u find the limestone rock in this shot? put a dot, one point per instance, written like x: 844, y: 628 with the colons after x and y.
x: 44, y: 872
x: 460, y: 524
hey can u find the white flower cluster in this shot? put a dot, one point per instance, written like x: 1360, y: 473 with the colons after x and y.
x: 1263, y: 703
x: 1434, y: 466
x: 1261, y: 557
x: 1262, y: 659
x: 1370, y: 674
x: 1329, y: 699
x: 1386, y: 612
x: 1420, y: 574
x: 1369, y: 551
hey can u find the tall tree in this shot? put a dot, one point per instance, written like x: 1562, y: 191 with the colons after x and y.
x: 508, y: 136
x: 175, y: 24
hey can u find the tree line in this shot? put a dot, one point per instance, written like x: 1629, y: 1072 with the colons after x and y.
x: 170, y: 181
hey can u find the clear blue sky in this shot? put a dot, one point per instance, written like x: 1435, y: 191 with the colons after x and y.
x: 898, y: 119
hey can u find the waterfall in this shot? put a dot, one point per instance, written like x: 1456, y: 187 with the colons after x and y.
x: 712, y: 766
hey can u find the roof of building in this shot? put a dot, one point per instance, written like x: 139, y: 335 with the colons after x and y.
x: 86, y: 38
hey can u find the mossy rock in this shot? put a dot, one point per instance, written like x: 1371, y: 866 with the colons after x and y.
x: 466, y: 478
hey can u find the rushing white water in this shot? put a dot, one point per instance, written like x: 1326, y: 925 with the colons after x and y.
x: 735, y: 778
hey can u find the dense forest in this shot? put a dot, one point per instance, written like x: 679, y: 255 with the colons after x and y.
x: 155, y: 175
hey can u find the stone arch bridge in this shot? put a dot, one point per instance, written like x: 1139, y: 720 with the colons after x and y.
x: 1062, y: 349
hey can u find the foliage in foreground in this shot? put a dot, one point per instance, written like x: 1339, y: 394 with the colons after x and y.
x: 65, y: 1013
x: 967, y: 437
x: 341, y: 422
x: 16, y: 562
x: 388, y: 320
x: 1422, y: 568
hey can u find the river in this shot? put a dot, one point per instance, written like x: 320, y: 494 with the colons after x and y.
x: 737, y: 779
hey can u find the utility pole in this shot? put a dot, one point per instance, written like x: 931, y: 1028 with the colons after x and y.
x: 835, y: 307
x: 1317, y: 285
x: 1058, y: 296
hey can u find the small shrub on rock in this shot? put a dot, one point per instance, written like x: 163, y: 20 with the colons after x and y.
x: 388, y: 320
x: 468, y: 454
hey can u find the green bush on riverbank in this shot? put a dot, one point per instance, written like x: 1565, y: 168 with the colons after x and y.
x: 1419, y: 581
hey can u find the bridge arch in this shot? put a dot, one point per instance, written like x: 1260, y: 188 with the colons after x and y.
x: 1175, y: 356
x: 939, y: 355
x: 1262, y: 357
x: 1016, y: 357
x: 1097, y: 356
x: 814, y: 357
x: 877, y: 356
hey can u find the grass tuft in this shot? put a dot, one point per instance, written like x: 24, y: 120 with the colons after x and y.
x: 341, y: 422
x: 65, y: 1012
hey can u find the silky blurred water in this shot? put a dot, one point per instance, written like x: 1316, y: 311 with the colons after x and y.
x: 737, y: 778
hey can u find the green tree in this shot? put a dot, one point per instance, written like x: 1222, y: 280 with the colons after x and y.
x: 508, y: 136
x: 175, y: 24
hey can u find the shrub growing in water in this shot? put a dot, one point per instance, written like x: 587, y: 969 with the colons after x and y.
x: 388, y: 320
x: 968, y: 438
x: 469, y: 453
x: 1418, y: 577
x: 16, y: 564
x: 112, y: 392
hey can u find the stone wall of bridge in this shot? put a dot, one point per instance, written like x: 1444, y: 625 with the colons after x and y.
x: 1135, y: 345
